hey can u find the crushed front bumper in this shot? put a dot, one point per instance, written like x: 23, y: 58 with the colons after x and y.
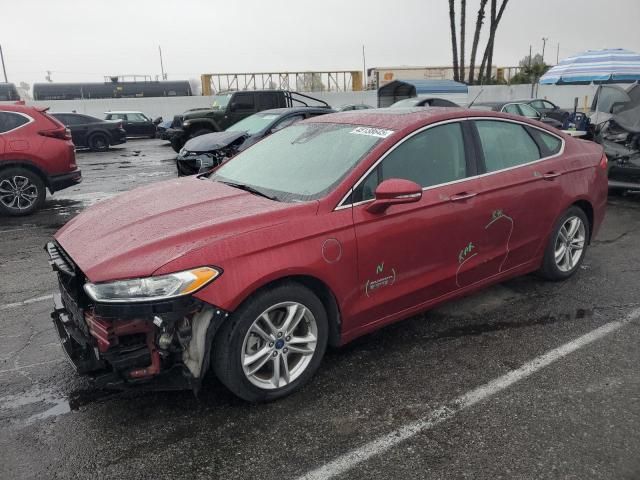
x: 157, y: 345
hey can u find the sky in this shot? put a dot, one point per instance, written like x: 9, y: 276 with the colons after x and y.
x: 84, y: 40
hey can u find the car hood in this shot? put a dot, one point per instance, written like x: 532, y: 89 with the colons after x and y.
x: 212, y: 141
x: 136, y: 233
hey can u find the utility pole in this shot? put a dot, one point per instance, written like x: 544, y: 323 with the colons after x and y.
x: 364, y: 70
x: 4, y: 69
x: 544, y: 43
x: 529, y: 67
x: 164, y: 75
x: 558, y: 54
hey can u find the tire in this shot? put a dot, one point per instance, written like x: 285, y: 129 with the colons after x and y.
x: 564, y: 267
x: 99, y: 143
x: 237, y: 342
x: 28, y: 191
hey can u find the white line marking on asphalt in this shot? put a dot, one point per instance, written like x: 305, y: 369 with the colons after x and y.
x: 26, y: 302
x: 24, y: 367
x: 381, y: 444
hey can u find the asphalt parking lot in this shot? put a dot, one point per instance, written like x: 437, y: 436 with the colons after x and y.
x: 492, y: 386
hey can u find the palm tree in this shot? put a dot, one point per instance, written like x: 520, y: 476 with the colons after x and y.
x: 454, y: 42
x: 463, y: 21
x: 487, y: 59
x: 476, y: 39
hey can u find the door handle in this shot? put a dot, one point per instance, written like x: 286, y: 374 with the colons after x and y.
x: 551, y: 175
x: 462, y: 196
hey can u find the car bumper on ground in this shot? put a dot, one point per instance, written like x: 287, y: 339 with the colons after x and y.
x: 66, y: 180
x: 624, y: 176
x: 158, y: 345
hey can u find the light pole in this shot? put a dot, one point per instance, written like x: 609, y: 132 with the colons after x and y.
x: 4, y: 69
x: 544, y: 43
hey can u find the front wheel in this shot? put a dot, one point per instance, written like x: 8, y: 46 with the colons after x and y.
x: 567, y: 245
x: 273, y: 343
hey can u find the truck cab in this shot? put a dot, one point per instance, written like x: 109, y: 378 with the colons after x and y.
x: 228, y: 108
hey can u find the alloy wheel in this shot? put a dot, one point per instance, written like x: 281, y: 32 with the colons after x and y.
x: 570, y: 242
x: 18, y: 193
x: 279, y: 345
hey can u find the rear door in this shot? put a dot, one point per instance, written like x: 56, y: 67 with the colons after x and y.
x: 138, y: 125
x: 520, y: 193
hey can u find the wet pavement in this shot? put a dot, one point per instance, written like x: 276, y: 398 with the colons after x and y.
x: 578, y: 417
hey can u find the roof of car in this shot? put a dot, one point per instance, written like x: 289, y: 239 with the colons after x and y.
x: 282, y: 111
x: 122, y: 111
x: 398, y: 119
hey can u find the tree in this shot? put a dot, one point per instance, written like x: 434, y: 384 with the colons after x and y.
x: 476, y: 39
x: 487, y: 59
x: 454, y: 42
x: 463, y: 21
x: 531, y: 69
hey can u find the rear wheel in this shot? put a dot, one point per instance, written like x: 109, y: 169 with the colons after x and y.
x: 273, y: 343
x: 567, y: 245
x: 21, y: 191
x: 99, y: 143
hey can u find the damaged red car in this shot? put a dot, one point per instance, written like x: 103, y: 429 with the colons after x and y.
x: 322, y: 232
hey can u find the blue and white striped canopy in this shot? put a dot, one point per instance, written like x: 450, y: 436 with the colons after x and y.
x: 615, y: 65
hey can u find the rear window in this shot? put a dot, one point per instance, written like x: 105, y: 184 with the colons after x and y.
x: 11, y: 120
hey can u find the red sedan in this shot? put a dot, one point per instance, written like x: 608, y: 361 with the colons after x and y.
x: 322, y: 232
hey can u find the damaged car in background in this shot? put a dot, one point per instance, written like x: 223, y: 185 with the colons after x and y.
x: 201, y: 154
x: 616, y: 120
x: 325, y: 231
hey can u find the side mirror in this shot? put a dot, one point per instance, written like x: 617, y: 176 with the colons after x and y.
x: 393, y: 192
x: 157, y: 121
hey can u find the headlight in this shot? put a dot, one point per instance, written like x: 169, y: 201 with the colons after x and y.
x: 186, y: 123
x: 182, y: 152
x: 152, y: 288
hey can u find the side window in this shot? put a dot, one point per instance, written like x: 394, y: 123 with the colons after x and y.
x: 244, y: 102
x: 10, y: 121
x: 286, y: 122
x: 505, y: 144
x: 268, y: 101
x: 136, y: 117
x: 74, y: 119
x: 548, y: 105
x: 432, y: 157
x: 511, y: 108
x: 528, y: 111
x: 538, y: 104
x: 550, y: 144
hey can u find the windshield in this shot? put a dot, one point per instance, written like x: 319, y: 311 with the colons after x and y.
x: 303, y: 161
x: 254, y: 123
x: 219, y: 102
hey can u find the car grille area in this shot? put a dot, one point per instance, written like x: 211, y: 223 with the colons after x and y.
x: 95, y: 344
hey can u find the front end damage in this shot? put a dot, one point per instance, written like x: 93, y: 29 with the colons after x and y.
x: 159, y: 345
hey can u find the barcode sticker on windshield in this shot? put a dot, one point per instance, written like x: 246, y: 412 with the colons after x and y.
x: 372, y: 132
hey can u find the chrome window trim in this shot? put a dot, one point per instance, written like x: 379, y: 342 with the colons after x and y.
x: 29, y: 120
x: 342, y: 205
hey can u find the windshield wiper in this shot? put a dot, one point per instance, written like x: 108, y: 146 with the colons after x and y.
x: 249, y: 188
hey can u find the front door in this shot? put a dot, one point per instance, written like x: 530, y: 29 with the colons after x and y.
x: 242, y: 105
x: 411, y: 254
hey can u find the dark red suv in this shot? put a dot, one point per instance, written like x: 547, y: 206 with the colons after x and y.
x: 323, y: 231
x: 36, y: 153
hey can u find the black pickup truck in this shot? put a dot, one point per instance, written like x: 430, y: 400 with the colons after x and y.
x: 231, y: 107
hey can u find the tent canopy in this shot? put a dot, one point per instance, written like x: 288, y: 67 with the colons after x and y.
x: 615, y: 65
x: 401, y: 89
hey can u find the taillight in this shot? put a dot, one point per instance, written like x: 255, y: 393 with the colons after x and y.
x: 59, y: 133
x: 604, y: 161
